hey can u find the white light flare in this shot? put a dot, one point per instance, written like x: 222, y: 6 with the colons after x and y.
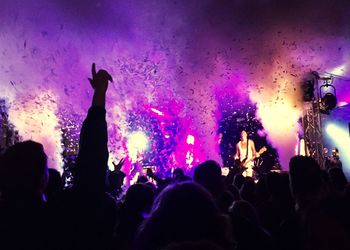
x: 190, y: 140
x: 137, y: 143
x: 158, y: 112
x: 341, y: 139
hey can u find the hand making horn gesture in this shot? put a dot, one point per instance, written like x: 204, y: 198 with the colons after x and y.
x: 99, y: 80
x: 99, y: 83
x: 118, y: 166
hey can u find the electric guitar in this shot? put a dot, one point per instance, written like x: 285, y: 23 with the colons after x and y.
x: 245, y: 161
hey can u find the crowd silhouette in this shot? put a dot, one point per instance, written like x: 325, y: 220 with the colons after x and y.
x: 307, y: 208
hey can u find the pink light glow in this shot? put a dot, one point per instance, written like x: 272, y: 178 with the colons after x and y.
x: 157, y: 111
x: 340, y: 104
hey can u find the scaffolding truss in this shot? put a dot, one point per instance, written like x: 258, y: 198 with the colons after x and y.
x: 312, y: 125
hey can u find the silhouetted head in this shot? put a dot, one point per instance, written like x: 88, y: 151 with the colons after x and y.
x: 54, y: 184
x: 182, y: 212
x: 305, y: 175
x: 139, y: 199
x: 142, y: 179
x: 178, y: 173
x: 23, y: 168
x: 208, y: 174
x: 278, y: 185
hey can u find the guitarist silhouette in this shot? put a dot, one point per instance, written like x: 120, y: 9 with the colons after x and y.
x: 246, y: 153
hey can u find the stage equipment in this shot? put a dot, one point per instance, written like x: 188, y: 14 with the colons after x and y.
x: 328, y: 96
x: 316, y: 104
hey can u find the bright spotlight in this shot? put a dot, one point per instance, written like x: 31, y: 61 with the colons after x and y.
x: 337, y: 133
x: 137, y: 140
x: 190, y: 140
x: 136, y: 144
x: 339, y: 136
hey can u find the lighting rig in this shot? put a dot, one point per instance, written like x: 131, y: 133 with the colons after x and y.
x: 319, y: 96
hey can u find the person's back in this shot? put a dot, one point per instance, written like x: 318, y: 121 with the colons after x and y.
x: 208, y: 175
x: 86, y: 218
x: 279, y: 206
x: 326, y: 225
x: 246, y: 227
x: 183, y: 212
x: 305, y: 181
x: 137, y: 204
x: 306, y: 185
x: 23, y: 213
x: 54, y: 185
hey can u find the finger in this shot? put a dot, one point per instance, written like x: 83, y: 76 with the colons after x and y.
x: 93, y: 69
x: 110, y: 78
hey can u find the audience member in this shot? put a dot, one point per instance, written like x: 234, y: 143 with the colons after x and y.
x: 183, y: 212
x: 208, y: 175
x: 23, y: 210
x: 137, y: 204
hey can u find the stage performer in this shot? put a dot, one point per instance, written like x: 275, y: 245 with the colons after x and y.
x: 246, y: 153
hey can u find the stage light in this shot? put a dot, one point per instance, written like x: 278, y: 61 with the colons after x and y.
x: 190, y: 140
x: 328, y: 98
x: 341, y: 104
x: 158, y: 112
x: 339, y: 70
x: 338, y: 134
x: 137, y: 141
x: 328, y: 102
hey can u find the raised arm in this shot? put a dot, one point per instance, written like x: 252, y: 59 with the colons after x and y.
x: 93, y: 152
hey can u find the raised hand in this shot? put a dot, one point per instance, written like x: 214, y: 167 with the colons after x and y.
x: 99, y: 80
x: 149, y: 172
x: 117, y: 167
x: 99, y: 83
